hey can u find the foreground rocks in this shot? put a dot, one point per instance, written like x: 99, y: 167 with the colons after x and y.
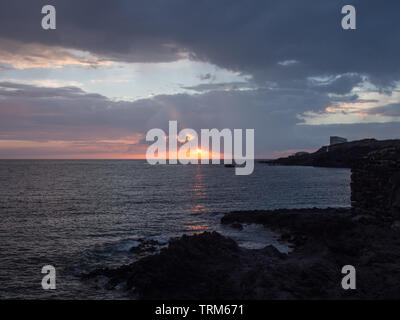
x: 375, y: 184
x: 199, y: 266
x: 210, y: 266
x: 325, y: 241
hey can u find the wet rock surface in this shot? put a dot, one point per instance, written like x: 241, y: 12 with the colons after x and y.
x: 210, y: 266
x: 146, y: 247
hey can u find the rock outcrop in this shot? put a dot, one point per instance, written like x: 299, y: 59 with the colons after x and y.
x: 375, y: 184
x: 192, y: 267
x: 210, y: 266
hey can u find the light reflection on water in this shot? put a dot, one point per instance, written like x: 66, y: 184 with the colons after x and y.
x: 79, y: 215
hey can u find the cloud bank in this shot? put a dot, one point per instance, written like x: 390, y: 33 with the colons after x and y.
x: 307, y: 78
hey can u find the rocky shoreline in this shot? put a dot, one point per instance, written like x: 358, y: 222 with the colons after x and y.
x: 210, y: 266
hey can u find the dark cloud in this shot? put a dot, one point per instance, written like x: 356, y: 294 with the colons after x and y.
x: 283, y: 45
x: 391, y: 110
x: 251, y: 37
x: 70, y: 114
x: 340, y: 85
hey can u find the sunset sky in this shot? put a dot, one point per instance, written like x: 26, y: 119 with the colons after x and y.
x: 112, y: 70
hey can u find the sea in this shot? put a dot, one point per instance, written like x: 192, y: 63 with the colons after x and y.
x: 79, y: 215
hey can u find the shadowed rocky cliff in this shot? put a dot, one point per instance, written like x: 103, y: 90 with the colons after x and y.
x: 210, y: 266
x: 375, y: 184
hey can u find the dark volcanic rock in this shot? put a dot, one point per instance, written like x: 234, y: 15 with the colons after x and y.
x: 192, y: 267
x: 375, y: 184
x: 210, y: 266
x: 326, y: 240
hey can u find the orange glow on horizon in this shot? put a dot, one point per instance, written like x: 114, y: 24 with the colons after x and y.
x: 197, y: 153
x: 97, y: 149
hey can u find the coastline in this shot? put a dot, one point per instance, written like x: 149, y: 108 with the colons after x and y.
x: 210, y: 266
x: 324, y: 242
x: 341, y: 155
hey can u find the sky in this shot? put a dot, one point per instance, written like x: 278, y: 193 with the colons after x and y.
x: 112, y: 70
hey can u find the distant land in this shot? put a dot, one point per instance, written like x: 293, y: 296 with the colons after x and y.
x: 342, y: 155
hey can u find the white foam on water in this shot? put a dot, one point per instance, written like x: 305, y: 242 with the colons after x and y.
x: 254, y: 236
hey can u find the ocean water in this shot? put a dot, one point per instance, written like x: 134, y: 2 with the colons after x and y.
x: 78, y: 215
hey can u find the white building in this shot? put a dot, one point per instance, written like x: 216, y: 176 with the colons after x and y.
x: 336, y: 140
